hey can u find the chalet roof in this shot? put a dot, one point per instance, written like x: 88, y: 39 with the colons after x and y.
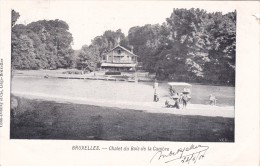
x: 122, y: 49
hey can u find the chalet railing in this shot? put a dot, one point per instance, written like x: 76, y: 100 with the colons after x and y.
x: 118, y: 61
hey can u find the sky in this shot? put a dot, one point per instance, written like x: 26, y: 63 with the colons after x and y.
x: 88, y: 19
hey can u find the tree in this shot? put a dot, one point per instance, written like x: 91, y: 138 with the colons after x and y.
x: 51, y: 44
x: 222, y: 51
x: 88, y: 58
x: 23, y: 56
x: 192, y: 45
x: 189, y: 41
x: 57, y: 40
x: 15, y: 16
x: 146, y: 41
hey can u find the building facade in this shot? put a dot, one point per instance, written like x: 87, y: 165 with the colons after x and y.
x: 119, y: 59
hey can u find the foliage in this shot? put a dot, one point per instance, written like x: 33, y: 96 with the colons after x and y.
x: 113, y: 73
x: 15, y: 16
x: 222, y: 50
x: 192, y: 45
x: 41, y: 45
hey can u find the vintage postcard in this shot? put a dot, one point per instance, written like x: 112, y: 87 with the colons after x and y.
x: 129, y: 83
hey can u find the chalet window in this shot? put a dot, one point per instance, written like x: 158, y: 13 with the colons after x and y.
x: 119, y: 51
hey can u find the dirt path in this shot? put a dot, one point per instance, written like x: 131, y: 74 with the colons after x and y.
x: 152, y: 107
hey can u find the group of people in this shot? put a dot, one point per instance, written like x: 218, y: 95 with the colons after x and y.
x: 177, y: 99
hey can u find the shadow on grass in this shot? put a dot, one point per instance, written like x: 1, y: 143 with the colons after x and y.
x: 36, y: 119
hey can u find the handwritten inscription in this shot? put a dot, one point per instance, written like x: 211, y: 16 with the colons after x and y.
x: 189, y: 154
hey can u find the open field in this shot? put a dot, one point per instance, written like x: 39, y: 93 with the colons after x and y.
x: 33, y: 81
x: 39, y: 119
x: 81, y: 109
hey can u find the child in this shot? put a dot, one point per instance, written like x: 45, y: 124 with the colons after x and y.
x: 212, y: 100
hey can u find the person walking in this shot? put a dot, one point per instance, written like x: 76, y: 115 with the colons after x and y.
x: 155, y: 96
x: 155, y: 87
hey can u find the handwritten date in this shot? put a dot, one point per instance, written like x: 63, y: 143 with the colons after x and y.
x: 188, y: 154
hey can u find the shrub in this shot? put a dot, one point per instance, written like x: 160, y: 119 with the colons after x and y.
x: 113, y: 73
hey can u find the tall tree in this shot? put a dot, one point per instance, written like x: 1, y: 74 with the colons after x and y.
x: 57, y: 40
x: 15, y: 16
x: 146, y: 41
x: 51, y: 44
x: 88, y: 58
x: 192, y: 45
x: 222, y: 51
x: 189, y: 43
x: 23, y: 56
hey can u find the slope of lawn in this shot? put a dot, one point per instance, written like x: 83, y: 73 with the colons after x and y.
x: 37, y: 119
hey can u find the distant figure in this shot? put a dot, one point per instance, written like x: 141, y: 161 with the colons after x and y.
x: 212, y: 100
x: 46, y: 76
x: 172, y: 91
x: 168, y: 104
x: 185, y: 100
x: 155, y: 85
x: 155, y: 96
x: 176, y: 99
x: 176, y: 104
x: 180, y: 97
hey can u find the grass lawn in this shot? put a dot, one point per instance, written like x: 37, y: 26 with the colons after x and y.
x: 38, y: 119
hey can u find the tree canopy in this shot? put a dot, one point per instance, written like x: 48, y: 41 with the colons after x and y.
x: 41, y: 45
x: 191, y: 45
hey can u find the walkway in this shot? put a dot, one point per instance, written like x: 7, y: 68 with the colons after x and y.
x: 152, y: 107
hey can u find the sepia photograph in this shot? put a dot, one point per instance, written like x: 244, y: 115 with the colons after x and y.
x: 118, y: 71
